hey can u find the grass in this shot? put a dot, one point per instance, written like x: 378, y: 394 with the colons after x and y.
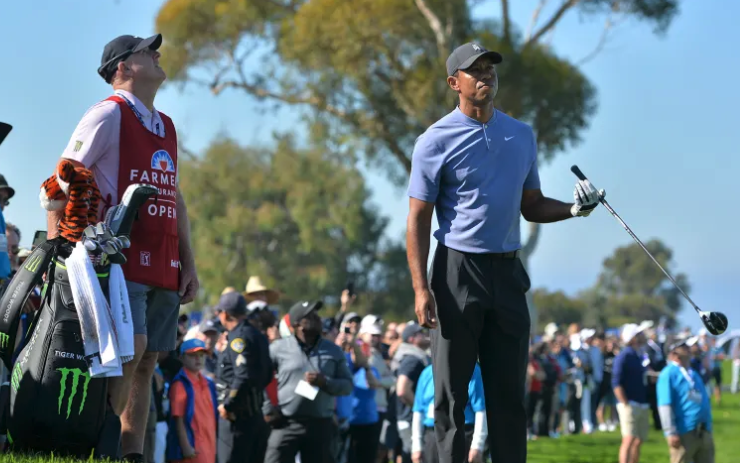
x: 594, y: 448
x: 604, y: 447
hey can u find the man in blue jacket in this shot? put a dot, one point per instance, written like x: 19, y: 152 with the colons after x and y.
x: 629, y: 380
x: 685, y: 411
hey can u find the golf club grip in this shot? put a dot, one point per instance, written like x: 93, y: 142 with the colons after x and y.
x: 574, y: 168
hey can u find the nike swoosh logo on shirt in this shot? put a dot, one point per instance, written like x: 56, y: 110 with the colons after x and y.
x: 508, y: 138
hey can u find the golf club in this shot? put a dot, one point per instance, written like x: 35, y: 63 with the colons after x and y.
x: 4, y: 130
x: 715, y: 322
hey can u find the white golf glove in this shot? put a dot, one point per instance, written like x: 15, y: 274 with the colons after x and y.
x: 586, y: 198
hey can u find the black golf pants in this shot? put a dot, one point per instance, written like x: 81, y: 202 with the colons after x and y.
x: 482, y: 315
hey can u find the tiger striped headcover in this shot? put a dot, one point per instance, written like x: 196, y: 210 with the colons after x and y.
x: 72, y: 189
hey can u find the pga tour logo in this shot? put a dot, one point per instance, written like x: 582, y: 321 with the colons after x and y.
x: 145, y: 259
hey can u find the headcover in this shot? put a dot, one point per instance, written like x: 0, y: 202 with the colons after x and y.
x: 72, y: 189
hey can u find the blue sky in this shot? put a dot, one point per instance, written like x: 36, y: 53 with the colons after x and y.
x: 663, y: 142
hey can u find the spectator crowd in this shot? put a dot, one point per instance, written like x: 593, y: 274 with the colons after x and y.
x: 377, y: 406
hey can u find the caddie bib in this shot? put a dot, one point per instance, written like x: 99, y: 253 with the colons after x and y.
x: 145, y: 157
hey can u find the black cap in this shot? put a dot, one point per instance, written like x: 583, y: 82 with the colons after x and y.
x: 4, y: 186
x: 120, y: 48
x: 301, y: 309
x: 465, y: 55
x: 233, y: 304
x: 411, y: 329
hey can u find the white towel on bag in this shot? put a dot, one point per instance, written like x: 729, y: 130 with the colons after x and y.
x: 121, y: 309
x: 99, y: 334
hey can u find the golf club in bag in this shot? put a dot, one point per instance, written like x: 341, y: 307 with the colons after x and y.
x: 55, y: 404
x: 715, y: 322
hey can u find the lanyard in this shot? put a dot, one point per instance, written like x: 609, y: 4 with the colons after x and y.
x: 137, y: 113
x: 686, y: 375
x: 308, y: 354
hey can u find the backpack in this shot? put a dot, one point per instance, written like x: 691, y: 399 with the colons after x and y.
x: 54, y: 403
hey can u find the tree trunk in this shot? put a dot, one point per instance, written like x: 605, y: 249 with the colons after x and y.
x: 527, y: 251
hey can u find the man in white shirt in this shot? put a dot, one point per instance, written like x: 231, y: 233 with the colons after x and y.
x: 124, y: 140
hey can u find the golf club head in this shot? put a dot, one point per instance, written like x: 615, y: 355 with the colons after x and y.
x: 715, y: 322
x: 120, y: 218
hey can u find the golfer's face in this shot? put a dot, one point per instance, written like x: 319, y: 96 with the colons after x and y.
x: 3, y: 199
x: 479, y: 82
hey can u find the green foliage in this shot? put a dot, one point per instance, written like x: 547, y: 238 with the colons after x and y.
x: 376, y: 68
x: 298, y: 218
x: 557, y: 307
x: 630, y: 288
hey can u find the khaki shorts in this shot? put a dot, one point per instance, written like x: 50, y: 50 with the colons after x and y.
x: 634, y: 421
x: 694, y: 448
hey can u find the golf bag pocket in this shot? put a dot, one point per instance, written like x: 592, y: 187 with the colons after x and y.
x: 55, y: 405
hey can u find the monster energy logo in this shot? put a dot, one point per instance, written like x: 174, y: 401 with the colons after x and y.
x: 33, y: 263
x: 76, y: 373
x: 15, y: 379
x: 4, y: 338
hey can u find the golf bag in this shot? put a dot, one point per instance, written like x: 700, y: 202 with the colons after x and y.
x: 55, y: 405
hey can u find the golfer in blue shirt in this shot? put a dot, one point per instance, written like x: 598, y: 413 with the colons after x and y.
x: 422, y: 431
x: 477, y: 167
x: 685, y: 411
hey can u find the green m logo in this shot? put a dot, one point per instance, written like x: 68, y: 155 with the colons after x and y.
x: 15, y: 379
x: 4, y: 338
x: 76, y: 373
x: 32, y: 265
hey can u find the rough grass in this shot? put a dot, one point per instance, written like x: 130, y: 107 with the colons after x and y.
x: 604, y: 447
x: 594, y: 448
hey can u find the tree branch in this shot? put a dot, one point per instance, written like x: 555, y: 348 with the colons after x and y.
x: 552, y: 22
x: 535, y: 17
x: 505, y: 16
x: 436, y: 25
x: 600, y: 45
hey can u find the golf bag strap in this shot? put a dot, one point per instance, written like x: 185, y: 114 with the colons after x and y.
x: 17, y: 293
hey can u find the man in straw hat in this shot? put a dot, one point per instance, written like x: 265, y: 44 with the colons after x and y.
x: 257, y: 291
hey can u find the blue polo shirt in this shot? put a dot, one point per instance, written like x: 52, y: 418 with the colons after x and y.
x: 424, y: 399
x: 629, y: 373
x: 474, y: 173
x: 673, y: 390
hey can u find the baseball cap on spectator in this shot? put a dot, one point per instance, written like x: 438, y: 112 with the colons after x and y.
x: 190, y: 346
x: 630, y: 330
x: 233, y: 304
x: 300, y: 310
x: 372, y: 320
x: 466, y: 54
x: 120, y: 48
x: 371, y: 328
x: 352, y: 317
x: 328, y: 324
x: 677, y: 344
x: 207, y: 326
x: 411, y: 329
